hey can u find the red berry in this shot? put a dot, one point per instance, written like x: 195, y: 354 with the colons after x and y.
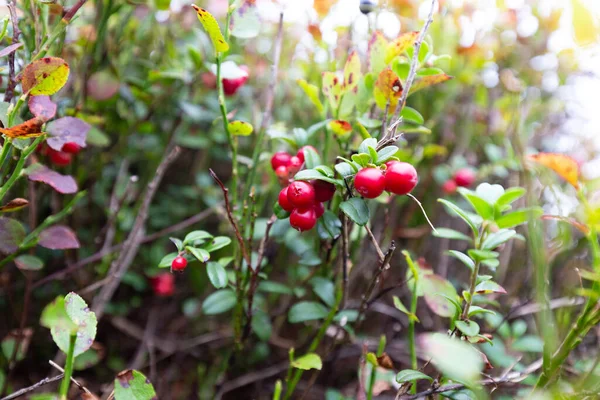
x: 179, y: 263
x: 449, y: 187
x: 319, y: 209
x: 163, y: 284
x: 400, y: 177
x: 294, y: 166
x: 300, y: 153
x: 369, y: 182
x: 282, y: 172
x: 301, y: 194
x: 464, y: 177
x: 303, y: 220
x: 283, y: 200
x: 280, y: 159
x: 71, y: 147
x: 59, y: 157
x: 324, y: 191
x: 231, y: 86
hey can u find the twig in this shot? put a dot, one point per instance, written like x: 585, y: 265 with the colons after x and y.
x: 234, y: 224
x: 33, y: 387
x: 12, y: 82
x: 120, y: 266
x: 374, y: 241
x: 345, y: 258
x: 385, y: 261
x: 79, y: 385
x: 114, y: 206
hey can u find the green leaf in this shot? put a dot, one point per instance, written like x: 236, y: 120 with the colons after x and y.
x: 468, y: 328
x: 279, y: 212
x: 27, y: 262
x: 133, y: 385
x: 361, y: 159
x: 311, y: 158
x: 487, y: 287
x: 325, y: 289
x: 510, y: 195
x: 217, y: 275
x: 445, y: 352
x: 481, y: 206
x: 450, y: 234
x: 12, y: 234
x: 463, y: 257
x: 167, y: 260
x: 240, y: 128
x: 458, y: 211
x: 409, y: 375
x: 274, y: 287
x: 528, y: 343
x: 412, y: 116
x: 398, y: 304
x: 356, y: 209
x: 307, y: 311
x: 212, y: 28
x: 329, y: 226
x: 310, y: 174
x: 519, y: 217
x: 194, y: 237
x: 55, y: 314
x: 217, y: 243
x: 177, y: 242
x: 88, y: 358
x: 312, y: 92
x: 261, y: 325
x: 475, y: 310
x: 308, y: 361
x: 370, y: 123
x: 364, y: 146
x: 345, y: 169
x: 325, y: 170
x: 386, y: 154
x: 372, y: 359
x: 495, y: 239
x: 437, y: 291
x: 481, y: 255
x: 219, y: 302
x: 200, y: 254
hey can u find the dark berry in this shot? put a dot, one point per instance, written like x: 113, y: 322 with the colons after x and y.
x: 464, y: 177
x: 400, y: 177
x: 301, y: 194
x: 280, y: 159
x: 71, y: 147
x: 369, y: 182
x: 283, y: 200
x: 179, y: 263
x: 367, y: 6
x: 324, y: 191
x: 303, y: 220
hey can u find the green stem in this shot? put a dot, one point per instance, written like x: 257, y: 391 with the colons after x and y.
x: 474, y: 274
x: 5, y: 150
x: 411, y: 333
x: 230, y: 138
x: 373, y: 379
x: 13, y: 113
x: 66, y: 382
x: 19, y: 167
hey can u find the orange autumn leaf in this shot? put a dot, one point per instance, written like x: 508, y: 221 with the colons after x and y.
x: 428, y: 80
x: 400, y: 45
x: 322, y: 6
x: 564, y: 166
x: 583, y: 228
x: 388, y: 88
x: 340, y: 128
x: 28, y: 129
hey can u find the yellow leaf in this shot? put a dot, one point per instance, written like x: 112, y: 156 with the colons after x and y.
x: 585, y: 26
x: 564, y: 166
x: 388, y: 88
x: 28, y: 129
x: 351, y: 72
x: 340, y: 128
x: 45, y: 76
x: 400, y: 45
x: 312, y: 92
x: 428, y: 80
x: 332, y: 88
x: 212, y: 28
x: 376, y: 53
x: 240, y: 128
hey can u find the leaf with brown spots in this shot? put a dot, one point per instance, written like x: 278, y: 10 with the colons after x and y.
x: 42, y: 107
x: 332, y: 88
x: 351, y: 72
x: 14, y: 205
x: 428, y: 80
x: 133, y: 385
x: 28, y: 129
x: 400, y: 45
x: 564, y: 166
x: 340, y: 128
x: 376, y: 53
x: 211, y: 26
x: 388, y: 88
x: 45, y: 76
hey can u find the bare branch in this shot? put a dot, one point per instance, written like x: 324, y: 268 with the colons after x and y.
x: 385, y: 261
x: 33, y: 387
x: 12, y: 82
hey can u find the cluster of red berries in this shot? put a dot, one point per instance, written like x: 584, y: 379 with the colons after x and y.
x: 304, y: 201
x: 64, y: 156
x: 286, y: 165
x: 399, y: 178
x: 163, y: 284
x: 463, y: 177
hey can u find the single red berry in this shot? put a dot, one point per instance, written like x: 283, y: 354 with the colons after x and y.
x: 303, y: 220
x: 163, y: 284
x: 71, y: 147
x: 294, y: 166
x: 400, y: 177
x: 280, y: 159
x: 231, y: 86
x: 319, y: 209
x: 283, y: 200
x: 449, y: 187
x: 179, y: 263
x: 324, y: 191
x: 301, y: 194
x: 59, y: 158
x: 282, y: 172
x: 369, y: 182
x: 300, y: 153
x: 465, y: 177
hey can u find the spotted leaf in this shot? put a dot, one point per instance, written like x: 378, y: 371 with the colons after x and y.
x: 564, y: 166
x: 133, y: 385
x: 332, y: 88
x: 428, y: 80
x: 400, y: 45
x: 376, y: 53
x: 212, y: 28
x: 388, y: 88
x: 45, y: 76
x: 240, y: 128
x: 351, y: 72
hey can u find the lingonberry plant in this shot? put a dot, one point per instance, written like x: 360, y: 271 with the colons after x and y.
x: 291, y: 199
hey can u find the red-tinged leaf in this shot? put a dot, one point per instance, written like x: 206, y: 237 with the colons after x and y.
x: 566, y: 167
x: 332, y: 88
x: 351, y: 72
x: 61, y: 183
x: 42, y: 107
x: 58, y: 237
x: 376, y: 53
x: 28, y: 129
x: 45, y: 76
x: 436, y: 290
x: 400, y: 45
x: 340, y: 128
x: 388, y: 88
x: 582, y: 227
x: 487, y: 287
x: 102, y: 85
x: 26, y: 262
x: 10, y: 49
x: 14, y: 205
x: 12, y: 234
x: 429, y: 80
x: 67, y: 129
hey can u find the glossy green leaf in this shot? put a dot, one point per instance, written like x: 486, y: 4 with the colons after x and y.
x: 219, y: 302
x: 409, y: 375
x: 195, y: 237
x: 308, y: 361
x: 495, y: 239
x: 217, y: 275
x: 200, y: 254
x: 468, y: 328
x: 217, y: 243
x: 450, y: 234
x: 356, y: 209
x: 307, y: 311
